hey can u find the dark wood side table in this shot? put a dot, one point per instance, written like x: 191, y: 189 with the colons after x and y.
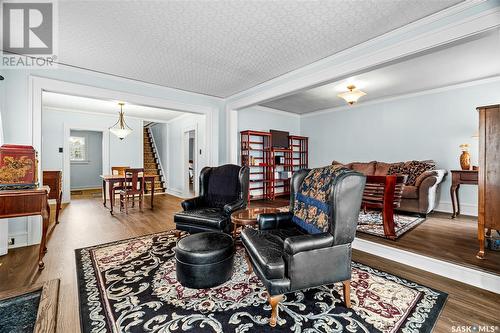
x: 244, y: 218
x: 459, y: 177
x: 248, y: 217
x: 19, y: 203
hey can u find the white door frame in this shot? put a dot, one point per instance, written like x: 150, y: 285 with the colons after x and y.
x: 66, y: 158
x: 185, y: 157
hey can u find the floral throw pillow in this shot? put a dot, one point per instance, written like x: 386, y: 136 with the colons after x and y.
x: 412, y: 169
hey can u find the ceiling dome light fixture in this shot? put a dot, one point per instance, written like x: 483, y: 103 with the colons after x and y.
x: 121, y: 129
x: 352, y: 95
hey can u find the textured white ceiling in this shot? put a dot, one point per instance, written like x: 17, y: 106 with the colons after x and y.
x: 469, y: 60
x: 221, y: 47
x: 85, y: 104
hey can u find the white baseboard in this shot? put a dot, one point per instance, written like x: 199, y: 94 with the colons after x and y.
x: 90, y: 187
x: 4, y: 238
x: 476, y: 278
x: 465, y: 208
x: 20, y: 239
x: 177, y: 193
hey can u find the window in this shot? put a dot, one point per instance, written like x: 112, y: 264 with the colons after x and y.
x: 77, y: 149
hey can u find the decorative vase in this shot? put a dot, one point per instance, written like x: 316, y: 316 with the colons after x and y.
x: 465, y: 157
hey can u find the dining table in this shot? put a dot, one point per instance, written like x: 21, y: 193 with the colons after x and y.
x: 110, y: 181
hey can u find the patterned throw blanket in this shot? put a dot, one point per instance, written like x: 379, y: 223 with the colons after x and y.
x: 311, y: 209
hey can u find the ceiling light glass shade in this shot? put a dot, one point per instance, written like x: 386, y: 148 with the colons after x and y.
x: 121, y: 129
x: 352, y: 95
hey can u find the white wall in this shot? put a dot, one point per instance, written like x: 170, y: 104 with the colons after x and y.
x: 17, y: 120
x: 128, y: 151
x: 176, y: 168
x: 263, y: 119
x: 427, y: 126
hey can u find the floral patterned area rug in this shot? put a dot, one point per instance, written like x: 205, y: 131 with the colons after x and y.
x: 130, y: 286
x: 370, y: 222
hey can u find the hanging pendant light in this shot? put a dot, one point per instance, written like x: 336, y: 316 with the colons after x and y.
x: 121, y: 129
x: 352, y: 95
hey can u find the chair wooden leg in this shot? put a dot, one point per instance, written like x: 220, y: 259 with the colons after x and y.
x: 126, y: 204
x: 347, y: 293
x: 274, y: 301
x: 141, y: 202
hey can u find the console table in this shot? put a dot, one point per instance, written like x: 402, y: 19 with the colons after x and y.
x: 458, y: 177
x: 20, y: 203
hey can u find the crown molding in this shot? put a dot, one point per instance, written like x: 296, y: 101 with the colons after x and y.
x: 403, y: 96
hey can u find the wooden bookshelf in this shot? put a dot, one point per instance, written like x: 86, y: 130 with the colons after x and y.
x: 255, y: 151
x: 271, y: 168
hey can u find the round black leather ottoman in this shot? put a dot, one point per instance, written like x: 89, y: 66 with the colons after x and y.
x: 204, y: 260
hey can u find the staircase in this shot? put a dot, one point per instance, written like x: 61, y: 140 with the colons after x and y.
x: 151, y: 162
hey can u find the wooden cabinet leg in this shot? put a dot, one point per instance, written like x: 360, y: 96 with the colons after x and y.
x: 347, y: 293
x: 274, y: 301
x: 43, y: 243
x: 480, y: 237
x: 453, y: 201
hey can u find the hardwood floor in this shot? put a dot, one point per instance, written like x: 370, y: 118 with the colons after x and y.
x: 86, y: 222
x: 440, y: 237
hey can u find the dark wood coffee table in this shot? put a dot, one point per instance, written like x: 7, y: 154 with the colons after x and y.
x: 385, y: 193
x: 248, y: 217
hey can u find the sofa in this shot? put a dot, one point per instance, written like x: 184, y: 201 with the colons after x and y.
x: 421, y: 189
x: 223, y: 190
x: 310, y: 245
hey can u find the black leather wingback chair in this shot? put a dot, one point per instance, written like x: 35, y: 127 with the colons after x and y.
x: 223, y: 190
x: 287, y: 258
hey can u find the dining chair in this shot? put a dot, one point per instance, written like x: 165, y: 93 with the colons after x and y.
x: 135, y: 186
x: 118, y: 171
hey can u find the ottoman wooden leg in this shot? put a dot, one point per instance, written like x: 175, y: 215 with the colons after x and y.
x: 274, y: 301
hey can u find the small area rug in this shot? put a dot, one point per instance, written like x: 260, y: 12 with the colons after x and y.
x: 130, y: 286
x: 18, y: 314
x: 370, y: 222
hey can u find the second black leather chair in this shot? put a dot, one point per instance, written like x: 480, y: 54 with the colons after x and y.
x: 288, y: 254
